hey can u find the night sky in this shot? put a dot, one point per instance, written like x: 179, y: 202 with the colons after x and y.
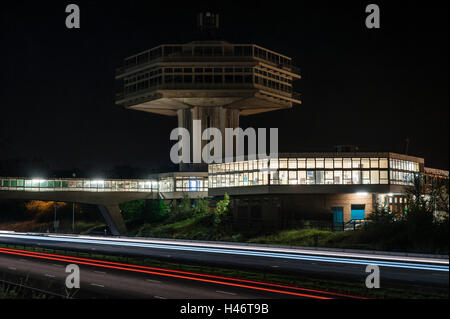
x: 370, y: 88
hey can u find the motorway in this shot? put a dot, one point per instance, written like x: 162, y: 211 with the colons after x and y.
x: 350, y: 266
x: 103, y: 279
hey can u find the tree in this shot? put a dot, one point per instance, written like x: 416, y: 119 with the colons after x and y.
x: 221, y: 211
x: 159, y: 210
x: 43, y: 211
x: 201, y: 206
x: 181, y: 210
x: 133, y: 210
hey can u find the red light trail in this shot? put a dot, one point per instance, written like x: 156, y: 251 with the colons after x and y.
x: 178, y: 274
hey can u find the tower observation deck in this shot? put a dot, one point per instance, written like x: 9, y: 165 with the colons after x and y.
x: 211, y: 80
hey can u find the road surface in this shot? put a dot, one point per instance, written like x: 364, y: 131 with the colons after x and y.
x: 111, y: 280
x: 325, y: 264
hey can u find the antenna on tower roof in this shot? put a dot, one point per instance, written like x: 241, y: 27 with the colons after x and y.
x: 208, y: 25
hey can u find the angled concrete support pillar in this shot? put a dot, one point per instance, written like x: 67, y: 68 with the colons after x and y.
x: 113, y: 219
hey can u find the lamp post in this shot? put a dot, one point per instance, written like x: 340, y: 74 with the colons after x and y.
x: 73, y: 211
x: 73, y: 218
x: 55, y: 225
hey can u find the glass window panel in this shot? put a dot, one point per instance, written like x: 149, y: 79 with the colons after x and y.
x: 365, y: 163
x: 347, y: 163
x: 310, y: 177
x: 329, y: 177
x: 338, y: 177
x: 301, y: 175
x: 320, y: 177
x: 374, y: 163
x: 310, y: 163
x: 274, y: 163
x: 347, y: 177
x: 262, y: 164
x: 301, y: 162
x: 293, y: 177
x: 384, y: 177
x: 283, y: 163
x: 356, y: 163
x: 356, y: 177
x: 374, y: 177
x: 320, y: 163
x: 338, y: 163
x: 283, y: 177
x: 383, y: 163
x: 274, y: 177
x: 328, y: 163
x: 366, y: 177
x: 292, y: 164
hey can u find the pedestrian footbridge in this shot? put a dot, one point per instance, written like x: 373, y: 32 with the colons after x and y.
x: 107, y: 194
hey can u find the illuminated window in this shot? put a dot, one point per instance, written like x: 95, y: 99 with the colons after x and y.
x: 301, y: 177
x: 262, y: 164
x: 320, y: 177
x: 283, y: 163
x: 310, y: 177
x: 384, y: 177
x: 374, y: 177
x: 383, y: 163
x: 347, y: 177
x: 356, y: 163
x: 283, y: 176
x: 356, y: 177
x: 273, y: 163
x: 292, y: 164
x: 329, y: 177
x: 374, y: 163
x: 320, y: 163
x: 329, y: 163
x: 347, y: 163
x: 310, y: 163
x: 365, y: 177
x: 292, y: 177
x: 338, y: 177
x: 338, y: 163
x: 365, y: 163
x: 301, y: 162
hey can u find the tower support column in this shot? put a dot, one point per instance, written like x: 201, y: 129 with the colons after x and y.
x: 211, y: 117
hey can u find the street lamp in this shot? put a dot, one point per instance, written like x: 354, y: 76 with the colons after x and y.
x: 73, y: 211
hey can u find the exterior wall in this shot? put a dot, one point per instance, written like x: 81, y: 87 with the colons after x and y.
x: 284, y: 211
x: 347, y: 200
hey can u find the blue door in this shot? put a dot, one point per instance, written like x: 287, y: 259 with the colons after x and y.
x: 338, y: 215
x: 358, y: 212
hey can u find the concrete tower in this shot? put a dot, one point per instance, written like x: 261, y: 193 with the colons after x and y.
x: 210, y: 80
